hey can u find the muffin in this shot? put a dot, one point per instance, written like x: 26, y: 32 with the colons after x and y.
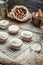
x: 26, y: 36
x: 13, y: 29
x: 36, y: 47
x: 3, y: 37
x: 16, y: 43
x: 4, y: 24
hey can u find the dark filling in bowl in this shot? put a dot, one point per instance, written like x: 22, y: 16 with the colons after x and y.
x: 20, y: 13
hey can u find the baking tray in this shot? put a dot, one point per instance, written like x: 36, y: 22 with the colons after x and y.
x: 5, y: 48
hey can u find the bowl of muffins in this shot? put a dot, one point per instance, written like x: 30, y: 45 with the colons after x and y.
x: 20, y: 13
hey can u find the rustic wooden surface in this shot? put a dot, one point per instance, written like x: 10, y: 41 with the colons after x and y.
x: 24, y: 56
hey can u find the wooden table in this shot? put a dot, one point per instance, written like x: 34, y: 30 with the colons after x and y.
x: 24, y: 56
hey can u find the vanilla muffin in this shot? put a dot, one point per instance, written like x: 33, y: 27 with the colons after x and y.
x: 26, y: 35
x: 3, y: 37
x: 13, y: 29
x: 4, y: 24
x: 16, y: 43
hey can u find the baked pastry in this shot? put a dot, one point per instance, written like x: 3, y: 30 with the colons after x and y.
x: 4, y: 24
x: 13, y: 29
x: 15, y: 43
x: 3, y: 37
x: 20, y: 13
x: 36, y: 47
x: 26, y: 35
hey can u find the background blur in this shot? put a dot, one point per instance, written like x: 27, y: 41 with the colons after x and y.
x: 32, y: 5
